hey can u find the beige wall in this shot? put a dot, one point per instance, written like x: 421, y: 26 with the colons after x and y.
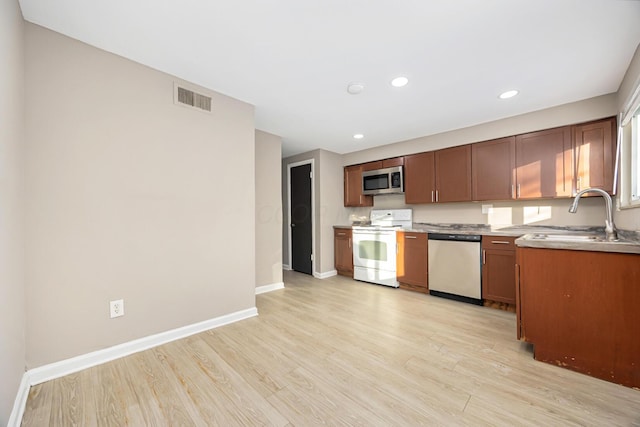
x: 576, y: 112
x: 629, y: 219
x: 12, y: 290
x: 268, y: 209
x: 129, y: 196
x: 332, y: 211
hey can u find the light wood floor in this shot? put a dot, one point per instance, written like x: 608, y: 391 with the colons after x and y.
x: 338, y: 352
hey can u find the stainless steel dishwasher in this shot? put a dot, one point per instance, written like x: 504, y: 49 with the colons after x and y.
x: 455, y: 263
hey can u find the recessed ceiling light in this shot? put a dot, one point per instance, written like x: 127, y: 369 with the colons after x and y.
x: 355, y: 88
x: 399, y: 81
x: 358, y: 136
x: 508, y: 94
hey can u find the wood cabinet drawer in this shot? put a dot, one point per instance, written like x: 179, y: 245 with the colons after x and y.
x: 499, y: 243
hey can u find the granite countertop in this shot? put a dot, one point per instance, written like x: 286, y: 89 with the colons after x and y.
x: 627, y: 243
x: 498, y: 230
x: 529, y: 235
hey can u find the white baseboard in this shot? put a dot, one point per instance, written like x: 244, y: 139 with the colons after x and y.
x: 78, y: 363
x: 325, y: 275
x: 268, y: 288
x: 286, y: 267
x: 15, y: 419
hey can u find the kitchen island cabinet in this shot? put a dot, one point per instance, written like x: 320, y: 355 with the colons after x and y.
x: 579, y: 309
x: 343, y: 251
x: 412, y: 260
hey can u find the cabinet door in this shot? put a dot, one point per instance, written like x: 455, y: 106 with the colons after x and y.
x: 353, y: 187
x: 498, y: 276
x: 419, y: 178
x: 498, y: 269
x: 543, y: 164
x: 493, y: 165
x: 412, y: 260
x: 343, y: 252
x: 396, y: 161
x: 372, y: 165
x: 594, y: 155
x: 453, y: 174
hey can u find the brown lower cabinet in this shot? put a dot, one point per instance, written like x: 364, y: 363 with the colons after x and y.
x: 580, y: 310
x: 411, y: 261
x: 343, y: 251
x: 498, y: 269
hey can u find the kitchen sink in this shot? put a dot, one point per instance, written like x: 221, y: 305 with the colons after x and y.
x: 568, y: 238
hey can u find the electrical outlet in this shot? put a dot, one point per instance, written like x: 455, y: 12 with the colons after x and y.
x: 116, y: 308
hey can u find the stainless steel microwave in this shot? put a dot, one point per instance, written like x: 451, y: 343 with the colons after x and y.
x: 383, y: 181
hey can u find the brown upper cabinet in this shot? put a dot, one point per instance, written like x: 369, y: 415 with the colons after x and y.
x: 396, y: 161
x: 371, y: 166
x: 493, y: 166
x: 353, y: 187
x: 419, y: 178
x: 594, y: 155
x: 453, y: 174
x: 438, y: 176
x: 353, y: 196
x: 543, y: 164
x: 537, y: 165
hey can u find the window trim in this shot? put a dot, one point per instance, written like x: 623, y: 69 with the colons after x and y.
x: 630, y: 163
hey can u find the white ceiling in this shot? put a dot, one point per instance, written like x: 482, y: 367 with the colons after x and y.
x: 293, y: 59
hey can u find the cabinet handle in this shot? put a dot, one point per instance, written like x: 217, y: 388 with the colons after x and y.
x: 349, y: 242
x: 484, y: 257
x: 518, y: 192
x: 513, y: 191
x: 342, y: 234
x: 500, y: 242
x: 410, y: 237
x: 436, y: 196
x: 578, y: 183
x: 432, y: 196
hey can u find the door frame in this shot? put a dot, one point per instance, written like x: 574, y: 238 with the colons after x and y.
x: 313, y: 212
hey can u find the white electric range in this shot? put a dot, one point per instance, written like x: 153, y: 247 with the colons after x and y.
x: 374, y: 246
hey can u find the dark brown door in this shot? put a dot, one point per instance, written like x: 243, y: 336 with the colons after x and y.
x: 301, y: 225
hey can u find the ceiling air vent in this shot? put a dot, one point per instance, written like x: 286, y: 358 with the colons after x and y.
x: 190, y: 98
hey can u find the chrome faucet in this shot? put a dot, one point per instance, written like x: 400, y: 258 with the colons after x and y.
x: 609, y: 226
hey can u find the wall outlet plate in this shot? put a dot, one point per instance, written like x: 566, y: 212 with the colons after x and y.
x: 116, y: 308
x: 487, y: 209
